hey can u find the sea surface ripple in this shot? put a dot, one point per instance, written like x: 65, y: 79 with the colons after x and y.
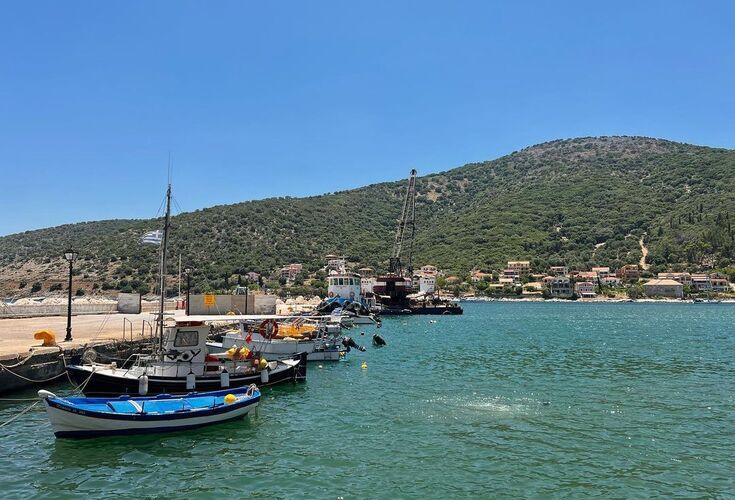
x: 510, y: 400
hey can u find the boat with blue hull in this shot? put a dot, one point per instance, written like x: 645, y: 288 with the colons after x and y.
x: 83, y: 417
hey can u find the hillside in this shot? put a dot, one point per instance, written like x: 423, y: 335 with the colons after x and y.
x: 580, y: 202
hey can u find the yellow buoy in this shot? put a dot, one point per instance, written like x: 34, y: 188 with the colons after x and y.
x: 263, y: 363
x: 230, y: 398
x: 364, y: 365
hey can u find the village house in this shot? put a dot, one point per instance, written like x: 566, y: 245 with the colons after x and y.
x: 453, y: 280
x: 428, y: 271
x: 602, y: 272
x: 512, y: 274
x: 629, y: 272
x: 560, y: 287
x: 533, y: 287
x: 683, y: 278
x: 291, y: 271
x: 587, y: 276
x: 585, y: 289
x: 336, y: 263
x: 719, y: 283
x: 663, y: 288
x: 611, y: 281
x: 366, y: 272
x: 701, y: 283
x: 253, y: 276
x: 522, y: 266
x: 478, y: 276
x: 558, y: 270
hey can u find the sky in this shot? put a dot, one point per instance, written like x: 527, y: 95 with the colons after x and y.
x: 291, y: 98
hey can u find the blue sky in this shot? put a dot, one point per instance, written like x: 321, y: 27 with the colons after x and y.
x: 260, y: 99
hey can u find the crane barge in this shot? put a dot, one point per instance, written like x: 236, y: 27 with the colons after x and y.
x: 394, y: 290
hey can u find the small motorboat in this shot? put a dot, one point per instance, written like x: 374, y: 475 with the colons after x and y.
x: 321, y: 342
x: 82, y: 417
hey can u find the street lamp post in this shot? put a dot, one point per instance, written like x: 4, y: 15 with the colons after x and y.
x: 70, y: 255
x: 187, y: 271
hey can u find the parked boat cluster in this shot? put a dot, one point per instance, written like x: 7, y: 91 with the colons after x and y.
x: 196, y: 375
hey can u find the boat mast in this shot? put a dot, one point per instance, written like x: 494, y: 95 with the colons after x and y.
x: 164, y: 244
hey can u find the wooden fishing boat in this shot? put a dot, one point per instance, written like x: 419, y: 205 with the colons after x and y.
x: 83, y: 417
x: 184, y: 366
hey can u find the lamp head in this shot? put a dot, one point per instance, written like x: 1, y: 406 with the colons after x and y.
x: 70, y: 255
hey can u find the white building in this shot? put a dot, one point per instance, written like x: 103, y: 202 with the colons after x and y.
x: 427, y: 284
x: 366, y: 284
x: 336, y: 263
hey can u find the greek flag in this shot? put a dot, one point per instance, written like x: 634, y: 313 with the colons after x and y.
x: 152, y: 238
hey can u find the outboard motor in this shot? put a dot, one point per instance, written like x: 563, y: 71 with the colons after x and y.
x: 348, y: 342
x: 378, y: 340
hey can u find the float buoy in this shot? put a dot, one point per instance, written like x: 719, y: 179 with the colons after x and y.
x: 229, y: 399
x: 364, y: 365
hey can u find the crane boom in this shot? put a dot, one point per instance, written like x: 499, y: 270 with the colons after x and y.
x: 406, y: 228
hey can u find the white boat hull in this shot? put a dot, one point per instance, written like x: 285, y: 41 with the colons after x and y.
x: 66, y: 423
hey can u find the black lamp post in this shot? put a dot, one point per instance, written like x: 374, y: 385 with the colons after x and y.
x: 70, y: 255
x: 187, y: 271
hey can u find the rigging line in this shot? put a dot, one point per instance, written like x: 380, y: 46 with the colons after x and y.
x: 176, y: 203
x: 160, y: 207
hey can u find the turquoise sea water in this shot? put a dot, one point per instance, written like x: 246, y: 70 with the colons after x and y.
x: 509, y: 400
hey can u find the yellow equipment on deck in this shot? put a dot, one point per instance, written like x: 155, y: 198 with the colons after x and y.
x: 291, y: 330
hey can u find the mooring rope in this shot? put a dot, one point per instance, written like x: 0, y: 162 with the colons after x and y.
x: 30, y: 355
x: 3, y: 368
x: 13, y: 419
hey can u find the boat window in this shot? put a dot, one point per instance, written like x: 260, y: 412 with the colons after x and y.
x: 341, y: 281
x: 186, y: 338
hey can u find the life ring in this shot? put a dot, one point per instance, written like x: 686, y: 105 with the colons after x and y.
x: 268, y: 328
x: 331, y: 294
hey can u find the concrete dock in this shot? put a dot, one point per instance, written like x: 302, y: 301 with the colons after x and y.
x: 24, y: 362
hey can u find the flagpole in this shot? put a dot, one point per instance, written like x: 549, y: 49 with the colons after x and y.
x: 179, y: 275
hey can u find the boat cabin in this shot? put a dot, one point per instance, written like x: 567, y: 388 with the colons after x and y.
x: 345, y: 286
x: 186, y: 343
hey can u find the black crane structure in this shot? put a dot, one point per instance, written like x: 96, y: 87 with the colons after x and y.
x: 405, y: 231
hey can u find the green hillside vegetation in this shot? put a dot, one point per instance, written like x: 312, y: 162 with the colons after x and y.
x: 578, y: 202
